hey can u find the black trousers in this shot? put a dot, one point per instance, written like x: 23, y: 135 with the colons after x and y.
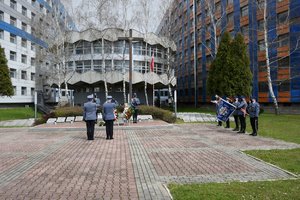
x: 254, y: 125
x: 236, y: 121
x: 109, y: 129
x: 228, y: 123
x: 242, y: 122
x: 135, y: 114
x: 90, y: 128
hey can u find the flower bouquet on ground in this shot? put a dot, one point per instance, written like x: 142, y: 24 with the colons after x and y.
x: 128, y: 112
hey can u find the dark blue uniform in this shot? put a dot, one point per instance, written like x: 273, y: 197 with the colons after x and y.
x: 253, y: 110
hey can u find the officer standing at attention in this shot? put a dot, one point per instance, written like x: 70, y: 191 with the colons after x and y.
x: 90, y: 116
x: 236, y: 103
x: 242, y: 114
x: 109, y: 117
x: 253, y: 110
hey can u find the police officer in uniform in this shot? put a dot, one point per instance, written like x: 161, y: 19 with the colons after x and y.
x: 242, y: 111
x: 90, y: 116
x: 253, y: 110
x: 109, y: 117
x: 236, y: 103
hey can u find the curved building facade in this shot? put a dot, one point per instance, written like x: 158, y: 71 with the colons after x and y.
x: 99, y: 57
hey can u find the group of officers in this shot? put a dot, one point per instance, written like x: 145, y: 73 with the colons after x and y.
x: 91, y: 109
x: 242, y: 110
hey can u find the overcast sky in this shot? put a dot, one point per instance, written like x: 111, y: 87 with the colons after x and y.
x: 87, y: 8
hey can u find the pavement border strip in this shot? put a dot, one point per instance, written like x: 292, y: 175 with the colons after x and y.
x: 146, y: 177
x: 18, y: 170
x: 275, y: 166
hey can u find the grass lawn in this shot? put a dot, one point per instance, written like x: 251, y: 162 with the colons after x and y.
x: 16, y: 113
x: 284, y: 127
x: 266, y: 190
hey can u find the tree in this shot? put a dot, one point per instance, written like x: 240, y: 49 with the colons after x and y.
x: 6, y: 88
x: 53, y: 29
x: 229, y: 73
x: 272, y: 41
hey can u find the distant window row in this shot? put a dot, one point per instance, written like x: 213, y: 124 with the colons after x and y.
x: 24, y: 91
x: 22, y: 74
x: 13, y: 57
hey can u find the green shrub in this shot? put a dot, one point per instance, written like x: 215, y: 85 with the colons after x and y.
x: 68, y: 111
x: 157, y: 113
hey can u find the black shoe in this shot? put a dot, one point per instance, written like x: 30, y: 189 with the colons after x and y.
x: 227, y: 127
x: 241, y: 132
x: 111, y: 138
x: 236, y: 129
x: 254, y: 134
x: 107, y: 138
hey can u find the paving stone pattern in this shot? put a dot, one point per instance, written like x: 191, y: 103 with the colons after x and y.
x: 137, y: 164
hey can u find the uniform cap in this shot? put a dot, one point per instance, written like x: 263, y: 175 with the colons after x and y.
x: 90, y: 97
x: 109, y: 97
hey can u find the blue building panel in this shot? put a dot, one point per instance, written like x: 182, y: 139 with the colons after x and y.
x: 272, y: 36
x: 190, y: 67
x: 23, y: 34
x: 236, y: 15
x: 203, y: 75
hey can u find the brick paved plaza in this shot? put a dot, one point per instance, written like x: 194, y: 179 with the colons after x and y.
x: 57, y: 162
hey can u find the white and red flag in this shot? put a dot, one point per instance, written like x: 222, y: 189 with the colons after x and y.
x: 152, y: 64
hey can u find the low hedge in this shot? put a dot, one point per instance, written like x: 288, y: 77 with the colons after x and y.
x: 157, y: 113
x: 68, y: 111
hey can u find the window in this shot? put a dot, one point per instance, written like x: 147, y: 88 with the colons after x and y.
x: 15, y: 90
x: 86, y: 47
x: 23, y: 75
x: 260, y: 25
x: 24, y: 59
x: 24, y: 26
x: 230, y: 18
x: 283, y: 40
x: 284, y: 86
x: 218, y: 6
x: 41, y: 7
x: 79, y: 48
x: 32, y: 16
x: 284, y: 63
x: 13, y: 38
x: 282, y: 17
x: 87, y: 65
x: 244, y: 11
x: 79, y: 66
x: 229, y: 2
x: 23, y: 91
x: 32, y: 76
x: 245, y: 30
x: 32, y: 90
x: 13, y: 21
x: 263, y: 87
x: 13, y: 73
x: 261, y: 45
x: 97, y: 47
x: 32, y: 61
x: 33, y: 2
x: 262, y: 66
x: 1, y: 15
x: 24, y: 11
x: 32, y: 46
x: 13, y: 55
x: 1, y: 34
x: 13, y: 4
x: 97, y: 65
x: 24, y: 43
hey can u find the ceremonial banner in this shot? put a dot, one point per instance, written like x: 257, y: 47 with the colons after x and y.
x: 225, y: 109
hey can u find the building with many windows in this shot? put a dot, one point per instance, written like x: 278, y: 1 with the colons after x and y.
x: 20, y: 43
x: 196, y: 27
x: 98, y: 58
